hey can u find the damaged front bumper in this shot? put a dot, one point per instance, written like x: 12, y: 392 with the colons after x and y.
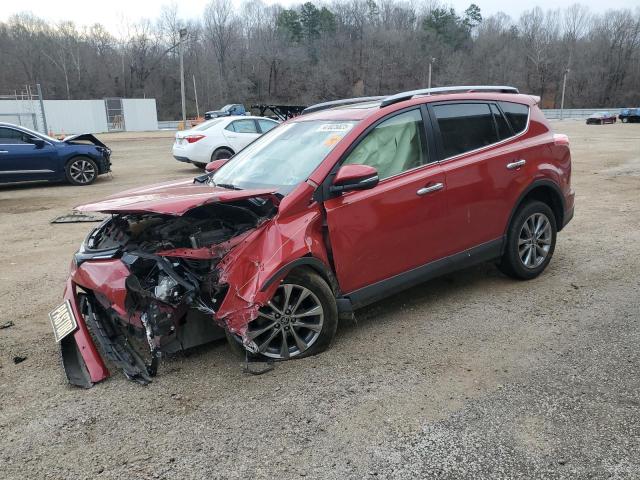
x: 111, y: 332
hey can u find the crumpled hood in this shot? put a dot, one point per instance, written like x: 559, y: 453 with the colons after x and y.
x: 172, y: 198
x: 85, y: 136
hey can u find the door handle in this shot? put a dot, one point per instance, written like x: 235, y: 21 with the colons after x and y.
x: 433, y: 188
x: 516, y: 164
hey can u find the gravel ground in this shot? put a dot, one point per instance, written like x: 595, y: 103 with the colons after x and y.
x: 469, y: 376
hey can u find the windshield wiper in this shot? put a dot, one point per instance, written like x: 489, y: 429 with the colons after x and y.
x: 227, y: 185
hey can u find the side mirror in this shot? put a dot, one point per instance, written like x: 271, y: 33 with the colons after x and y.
x: 354, y: 177
x: 38, y: 142
x: 215, y: 165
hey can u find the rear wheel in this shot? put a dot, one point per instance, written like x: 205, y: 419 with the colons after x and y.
x: 199, y: 165
x: 299, y: 321
x: 81, y: 171
x: 531, y: 240
x: 221, y: 153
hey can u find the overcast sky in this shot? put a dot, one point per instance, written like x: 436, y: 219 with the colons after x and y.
x: 111, y: 13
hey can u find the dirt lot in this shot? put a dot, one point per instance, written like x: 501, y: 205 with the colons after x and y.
x: 472, y: 375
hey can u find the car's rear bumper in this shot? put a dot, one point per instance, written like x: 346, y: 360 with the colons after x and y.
x: 569, y: 203
x: 568, y: 215
x: 182, y: 159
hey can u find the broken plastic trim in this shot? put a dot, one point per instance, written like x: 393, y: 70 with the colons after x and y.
x: 115, y: 346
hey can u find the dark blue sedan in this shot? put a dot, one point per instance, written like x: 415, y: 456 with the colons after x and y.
x: 26, y: 156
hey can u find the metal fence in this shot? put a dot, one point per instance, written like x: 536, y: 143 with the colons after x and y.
x: 169, y: 124
x: 576, y: 113
x: 26, y: 108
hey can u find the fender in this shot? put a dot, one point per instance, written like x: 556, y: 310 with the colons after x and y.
x: 535, y: 184
x: 252, y: 268
x: 310, y: 261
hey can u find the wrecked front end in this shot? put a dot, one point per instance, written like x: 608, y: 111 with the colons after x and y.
x: 145, y: 284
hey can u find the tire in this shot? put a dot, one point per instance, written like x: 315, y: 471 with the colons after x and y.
x: 221, y: 153
x: 81, y: 171
x: 525, y: 257
x: 274, y: 325
x: 199, y: 165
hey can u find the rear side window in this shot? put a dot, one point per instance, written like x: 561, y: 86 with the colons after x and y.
x: 517, y: 114
x: 465, y: 127
x: 503, y: 127
x: 266, y: 125
x: 243, y: 126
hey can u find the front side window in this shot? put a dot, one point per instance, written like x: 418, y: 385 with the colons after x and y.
x: 243, y: 126
x: 465, y: 127
x: 9, y: 136
x: 517, y: 114
x: 394, y: 146
x: 283, y: 157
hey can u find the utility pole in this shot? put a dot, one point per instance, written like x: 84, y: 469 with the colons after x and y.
x: 430, y: 66
x: 564, y: 86
x: 183, y: 36
x: 195, y: 94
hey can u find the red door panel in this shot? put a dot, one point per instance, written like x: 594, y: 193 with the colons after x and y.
x: 483, y: 188
x: 378, y: 233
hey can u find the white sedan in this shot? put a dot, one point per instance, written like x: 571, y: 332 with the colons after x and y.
x: 218, y: 138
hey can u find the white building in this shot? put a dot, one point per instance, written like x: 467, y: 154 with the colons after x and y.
x: 83, y: 116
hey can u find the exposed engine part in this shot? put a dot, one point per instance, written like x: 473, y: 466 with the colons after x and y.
x: 201, y: 227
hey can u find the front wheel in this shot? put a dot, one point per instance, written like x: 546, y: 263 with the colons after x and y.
x: 81, y: 171
x: 531, y: 240
x: 299, y: 321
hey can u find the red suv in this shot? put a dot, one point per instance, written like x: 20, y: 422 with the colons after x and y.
x: 348, y: 203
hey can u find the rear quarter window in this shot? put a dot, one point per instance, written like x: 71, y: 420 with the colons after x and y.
x: 517, y: 114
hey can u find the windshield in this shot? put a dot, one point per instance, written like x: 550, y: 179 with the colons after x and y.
x: 283, y: 157
x: 226, y: 108
x: 207, y: 124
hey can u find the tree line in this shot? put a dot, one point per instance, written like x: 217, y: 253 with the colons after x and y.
x: 320, y: 51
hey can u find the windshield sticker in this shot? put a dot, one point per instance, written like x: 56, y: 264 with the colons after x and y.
x: 332, y: 140
x: 335, y: 127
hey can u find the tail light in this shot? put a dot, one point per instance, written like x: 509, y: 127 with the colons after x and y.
x: 193, y: 138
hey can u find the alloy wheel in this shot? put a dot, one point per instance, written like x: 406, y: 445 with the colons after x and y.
x: 534, y: 241
x: 82, y: 171
x: 289, y: 324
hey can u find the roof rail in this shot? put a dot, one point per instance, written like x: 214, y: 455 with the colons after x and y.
x: 399, y: 97
x: 338, y: 103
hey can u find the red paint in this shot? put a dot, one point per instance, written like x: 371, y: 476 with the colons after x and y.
x: 172, y: 198
x: 215, y: 165
x: 92, y: 359
x: 350, y: 173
